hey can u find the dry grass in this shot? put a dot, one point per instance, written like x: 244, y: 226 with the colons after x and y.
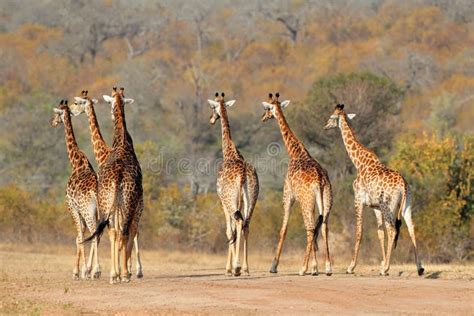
x: 36, y: 268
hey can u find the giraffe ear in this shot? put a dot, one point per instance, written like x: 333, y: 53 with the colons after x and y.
x: 128, y: 101
x: 351, y: 116
x: 267, y: 106
x: 94, y: 101
x: 59, y: 111
x: 213, y: 103
x: 285, y: 103
x: 229, y: 103
x: 108, y: 98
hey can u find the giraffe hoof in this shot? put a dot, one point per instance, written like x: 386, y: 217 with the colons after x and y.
x: 75, y: 276
x: 421, y: 271
x: 114, y: 280
x: 237, y: 271
x: 328, y: 269
x: 96, y: 275
x: 273, y: 269
x: 383, y: 273
x: 125, y: 279
x: 302, y: 272
x: 228, y: 272
x: 315, y: 273
x: 139, y: 274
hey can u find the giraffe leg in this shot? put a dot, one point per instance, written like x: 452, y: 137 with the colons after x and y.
x: 230, y: 252
x: 288, y: 201
x: 125, y: 249
x: 411, y: 231
x: 314, y: 268
x: 246, y: 235
x: 358, y: 237
x: 137, y: 254
x: 113, y: 249
x: 96, y: 272
x: 327, y: 204
x: 325, y: 232
x: 90, y: 260
x: 308, y: 206
x: 128, y: 250
x: 78, y: 224
x: 238, y: 226
x: 75, y: 272
x: 93, y: 265
x: 319, y: 203
x: 139, y: 269
x: 309, y: 247
x: 381, y: 234
x: 391, y: 232
x: 245, y: 228
x: 84, y: 268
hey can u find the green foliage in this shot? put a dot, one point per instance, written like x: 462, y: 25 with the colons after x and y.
x: 24, y: 217
x: 441, y: 176
x: 374, y: 99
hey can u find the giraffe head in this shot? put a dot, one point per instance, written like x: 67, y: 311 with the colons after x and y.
x: 335, y: 118
x: 59, y: 112
x: 82, y: 104
x: 115, y: 99
x: 271, y: 105
x: 215, y: 106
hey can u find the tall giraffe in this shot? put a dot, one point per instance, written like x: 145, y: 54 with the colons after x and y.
x: 81, y: 193
x: 85, y: 104
x: 237, y: 188
x: 306, y: 182
x: 378, y: 187
x: 120, y: 191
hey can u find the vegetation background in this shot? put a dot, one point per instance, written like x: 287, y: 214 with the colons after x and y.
x: 405, y: 67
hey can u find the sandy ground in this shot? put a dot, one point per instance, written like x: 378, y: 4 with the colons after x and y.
x: 39, y: 281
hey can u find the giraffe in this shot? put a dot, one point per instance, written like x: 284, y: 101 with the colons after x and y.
x: 120, y: 191
x: 306, y: 182
x: 378, y: 187
x: 237, y: 188
x: 85, y: 104
x: 81, y: 194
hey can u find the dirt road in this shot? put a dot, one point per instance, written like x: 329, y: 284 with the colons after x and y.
x: 191, y: 283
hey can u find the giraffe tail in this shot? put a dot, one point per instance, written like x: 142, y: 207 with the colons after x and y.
x: 98, y: 232
x: 319, y: 223
x: 398, y: 221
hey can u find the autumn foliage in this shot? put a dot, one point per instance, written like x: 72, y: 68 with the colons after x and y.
x: 405, y: 69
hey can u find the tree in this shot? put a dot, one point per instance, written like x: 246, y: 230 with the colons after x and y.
x: 441, y: 177
x: 375, y: 100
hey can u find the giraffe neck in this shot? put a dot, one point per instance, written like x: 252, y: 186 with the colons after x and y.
x: 76, y: 156
x: 358, y: 153
x: 295, y: 148
x: 229, y: 151
x: 101, y: 149
x: 121, y: 137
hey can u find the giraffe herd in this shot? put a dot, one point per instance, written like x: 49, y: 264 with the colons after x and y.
x: 112, y: 197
